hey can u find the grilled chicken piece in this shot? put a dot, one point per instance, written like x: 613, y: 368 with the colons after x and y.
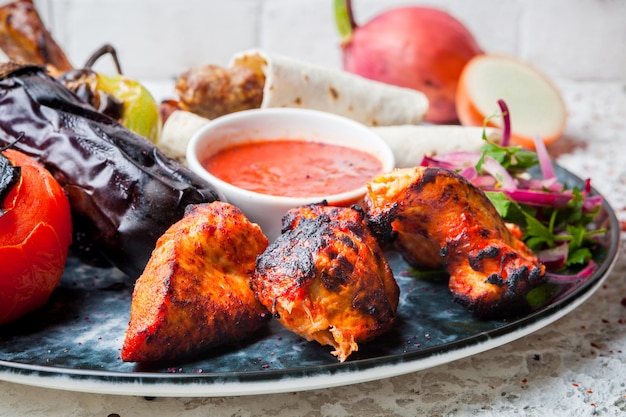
x: 195, y: 291
x: 25, y: 39
x: 211, y: 91
x: 436, y: 215
x: 326, y: 279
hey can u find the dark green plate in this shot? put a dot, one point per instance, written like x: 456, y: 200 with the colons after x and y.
x: 74, y: 342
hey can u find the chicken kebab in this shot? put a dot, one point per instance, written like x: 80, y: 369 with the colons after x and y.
x: 195, y: 291
x: 327, y: 279
x: 436, y: 218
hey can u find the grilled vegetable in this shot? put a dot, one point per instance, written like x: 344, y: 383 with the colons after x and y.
x: 123, y: 192
x: 24, y: 38
x: 118, y: 96
x: 35, y: 234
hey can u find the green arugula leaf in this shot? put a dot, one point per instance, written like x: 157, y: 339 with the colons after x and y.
x: 500, y: 201
x: 538, y: 296
x: 538, y: 233
x: 514, y: 158
x: 577, y: 233
x: 580, y: 256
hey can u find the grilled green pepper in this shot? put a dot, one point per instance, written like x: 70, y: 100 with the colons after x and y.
x: 122, y: 98
x: 123, y: 192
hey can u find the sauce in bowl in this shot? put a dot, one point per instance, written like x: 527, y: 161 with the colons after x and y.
x: 293, y: 168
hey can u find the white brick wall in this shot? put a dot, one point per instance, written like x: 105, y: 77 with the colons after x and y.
x: 157, y: 39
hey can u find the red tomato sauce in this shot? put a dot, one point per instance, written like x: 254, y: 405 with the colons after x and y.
x: 293, y: 168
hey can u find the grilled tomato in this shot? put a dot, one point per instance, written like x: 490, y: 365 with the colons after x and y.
x: 35, y: 234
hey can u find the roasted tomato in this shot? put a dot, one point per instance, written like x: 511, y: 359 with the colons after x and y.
x: 35, y: 234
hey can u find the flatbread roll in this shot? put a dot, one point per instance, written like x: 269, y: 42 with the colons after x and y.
x: 294, y: 83
x: 410, y: 144
x: 177, y: 130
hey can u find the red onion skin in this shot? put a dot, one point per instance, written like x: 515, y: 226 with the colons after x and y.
x: 416, y: 47
x: 506, y: 119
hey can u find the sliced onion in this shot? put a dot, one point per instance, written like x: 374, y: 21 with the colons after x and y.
x: 544, y: 159
x: 554, y: 258
x: 591, y: 203
x: 486, y: 182
x: 429, y: 161
x: 458, y: 160
x: 551, y: 184
x: 539, y: 198
x: 506, y: 121
x: 496, y: 170
x: 585, y: 273
x: 470, y: 173
x: 546, y: 191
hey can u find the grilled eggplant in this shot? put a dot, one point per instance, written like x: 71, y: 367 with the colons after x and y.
x: 123, y: 192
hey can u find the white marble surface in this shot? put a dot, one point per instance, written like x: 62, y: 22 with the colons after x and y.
x: 574, y: 367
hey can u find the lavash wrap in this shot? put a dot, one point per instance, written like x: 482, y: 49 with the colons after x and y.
x: 177, y: 131
x: 410, y: 144
x: 295, y: 83
x: 394, y: 113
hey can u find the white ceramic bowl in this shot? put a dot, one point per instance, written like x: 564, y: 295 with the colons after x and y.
x: 281, y: 123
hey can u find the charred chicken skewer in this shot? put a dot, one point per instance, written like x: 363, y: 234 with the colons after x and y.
x: 435, y: 216
x: 195, y: 291
x: 326, y: 279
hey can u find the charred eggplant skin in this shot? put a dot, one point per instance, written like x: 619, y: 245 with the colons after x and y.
x: 123, y: 192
